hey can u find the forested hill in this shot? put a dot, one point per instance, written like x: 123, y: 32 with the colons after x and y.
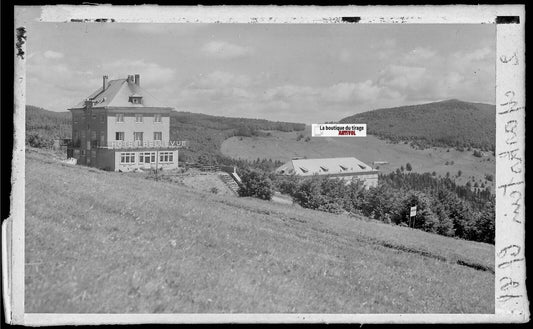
x: 451, y: 123
x: 205, y: 133
x: 43, y: 126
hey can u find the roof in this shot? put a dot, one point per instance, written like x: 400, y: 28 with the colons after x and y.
x: 327, y: 166
x: 118, y: 93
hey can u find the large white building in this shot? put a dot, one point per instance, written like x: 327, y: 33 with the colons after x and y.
x: 121, y: 127
x: 345, y: 168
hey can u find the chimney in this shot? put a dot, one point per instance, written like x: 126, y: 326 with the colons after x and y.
x: 130, y: 78
x: 104, y: 84
x: 138, y: 79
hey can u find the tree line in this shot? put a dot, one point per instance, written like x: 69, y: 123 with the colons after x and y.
x: 442, y: 206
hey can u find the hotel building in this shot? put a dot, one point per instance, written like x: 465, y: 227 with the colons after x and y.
x: 121, y: 127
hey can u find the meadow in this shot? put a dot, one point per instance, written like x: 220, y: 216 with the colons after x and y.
x: 284, y: 145
x: 105, y: 242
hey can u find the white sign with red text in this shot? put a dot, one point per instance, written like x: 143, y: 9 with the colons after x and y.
x: 339, y: 130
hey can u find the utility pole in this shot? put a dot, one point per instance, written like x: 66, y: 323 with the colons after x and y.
x: 156, y: 162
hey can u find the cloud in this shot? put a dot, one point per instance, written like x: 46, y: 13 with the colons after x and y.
x: 419, y: 56
x: 53, y: 54
x: 152, y: 75
x: 219, y: 79
x: 217, y: 87
x: 225, y: 50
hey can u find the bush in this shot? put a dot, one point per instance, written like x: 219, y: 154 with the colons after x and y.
x: 321, y: 193
x: 408, y: 167
x: 256, y: 184
x: 477, y: 154
x: 286, y: 184
x: 35, y: 139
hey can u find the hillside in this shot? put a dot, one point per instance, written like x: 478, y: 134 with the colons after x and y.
x: 450, y: 123
x: 43, y: 126
x: 205, y: 133
x: 94, y: 246
x: 283, y: 146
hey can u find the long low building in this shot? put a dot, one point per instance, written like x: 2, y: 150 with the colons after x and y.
x: 345, y: 168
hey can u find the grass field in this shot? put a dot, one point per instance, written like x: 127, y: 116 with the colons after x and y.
x: 102, y: 242
x: 283, y: 146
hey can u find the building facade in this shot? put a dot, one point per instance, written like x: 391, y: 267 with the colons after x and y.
x: 343, y: 168
x: 121, y: 127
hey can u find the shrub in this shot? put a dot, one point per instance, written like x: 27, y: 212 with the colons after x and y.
x: 459, y: 173
x: 489, y: 177
x: 408, y: 167
x: 286, y: 184
x: 321, y: 193
x: 256, y: 184
x: 477, y: 154
x: 35, y: 139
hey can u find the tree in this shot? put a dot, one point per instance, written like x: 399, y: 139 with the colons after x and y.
x: 408, y: 167
x: 459, y: 173
x: 402, y: 168
x: 256, y: 184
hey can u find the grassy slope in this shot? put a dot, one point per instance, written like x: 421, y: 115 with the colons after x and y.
x: 448, y: 121
x: 107, y: 242
x: 282, y: 146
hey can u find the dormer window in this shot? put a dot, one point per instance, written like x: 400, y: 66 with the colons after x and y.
x: 304, y: 170
x: 323, y: 168
x: 343, y: 168
x: 362, y: 167
x: 136, y: 99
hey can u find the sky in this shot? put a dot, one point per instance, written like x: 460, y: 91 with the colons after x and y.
x: 309, y: 73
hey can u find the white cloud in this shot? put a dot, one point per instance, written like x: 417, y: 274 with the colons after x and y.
x: 152, y: 74
x: 419, y: 56
x: 219, y: 79
x: 53, y: 54
x: 225, y: 50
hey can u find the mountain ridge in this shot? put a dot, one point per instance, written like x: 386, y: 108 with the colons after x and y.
x: 448, y: 123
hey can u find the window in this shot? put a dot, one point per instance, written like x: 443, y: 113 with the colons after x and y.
x: 119, y: 117
x: 158, y: 136
x: 102, y: 138
x: 135, y: 99
x: 83, y: 134
x: 167, y: 157
x: 119, y: 136
x: 138, y: 136
x: 102, y: 118
x: 138, y: 118
x: 152, y: 158
x: 93, y: 135
x: 157, y: 118
x: 127, y: 157
x: 94, y: 116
